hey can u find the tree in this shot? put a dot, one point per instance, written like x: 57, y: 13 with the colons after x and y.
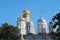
x: 56, y: 20
x: 9, y: 32
x: 1, y: 33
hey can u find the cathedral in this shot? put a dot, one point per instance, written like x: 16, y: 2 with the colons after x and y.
x: 26, y: 28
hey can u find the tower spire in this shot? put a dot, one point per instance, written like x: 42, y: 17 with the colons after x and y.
x: 26, y: 8
x: 42, y: 12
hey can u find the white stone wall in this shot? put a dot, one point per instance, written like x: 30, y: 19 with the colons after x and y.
x: 41, y: 27
x: 29, y: 28
x: 37, y: 37
x: 27, y: 19
x: 22, y: 27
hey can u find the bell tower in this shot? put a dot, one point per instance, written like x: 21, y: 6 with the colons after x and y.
x: 21, y: 25
x: 41, y: 23
x: 26, y: 15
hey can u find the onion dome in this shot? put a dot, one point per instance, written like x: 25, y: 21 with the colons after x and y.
x: 21, y: 19
x: 30, y: 24
x: 26, y: 12
x: 42, y: 20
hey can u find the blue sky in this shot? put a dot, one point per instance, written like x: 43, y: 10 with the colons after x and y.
x: 10, y: 10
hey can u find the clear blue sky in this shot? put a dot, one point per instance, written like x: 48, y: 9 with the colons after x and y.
x: 10, y: 10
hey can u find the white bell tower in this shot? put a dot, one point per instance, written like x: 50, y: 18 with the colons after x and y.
x: 29, y: 24
x: 41, y: 23
x: 30, y: 28
x: 21, y: 25
x: 26, y: 15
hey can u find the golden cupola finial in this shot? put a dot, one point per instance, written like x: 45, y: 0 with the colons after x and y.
x: 26, y: 12
x: 21, y: 19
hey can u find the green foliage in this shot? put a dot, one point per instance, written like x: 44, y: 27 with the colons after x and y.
x: 9, y: 32
x: 56, y: 20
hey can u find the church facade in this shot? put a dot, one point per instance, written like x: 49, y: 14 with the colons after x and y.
x: 26, y: 28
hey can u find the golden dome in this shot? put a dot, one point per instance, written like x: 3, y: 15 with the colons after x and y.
x: 21, y: 19
x: 26, y: 12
